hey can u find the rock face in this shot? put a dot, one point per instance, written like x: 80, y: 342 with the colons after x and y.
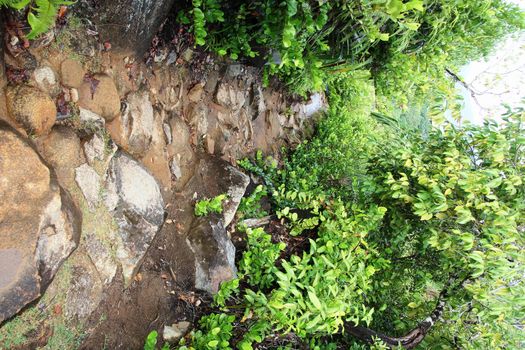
x: 39, y: 224
x: 104, y: 101
x: 89, y: 182
x: 31, y: 108
x: 131, y: 23
x: 207, y: 238
x: 134, y: 198
x: 133, y: 130
x: 214, y: 253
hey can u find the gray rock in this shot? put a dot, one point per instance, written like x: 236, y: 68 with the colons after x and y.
x: 39, y: 223
x: 229, y: 96
x: 176, y: 331
x: 134, y: 198
x: 101, y: 254
x: 85, y: 292
x: 135, y: 131
x: 88, y: 181
x: 214, y: 253
x: 175, y: 168
x: 86, y: 116
x: 238, y: 184
x: 94, y: 149
x: 45, y: 78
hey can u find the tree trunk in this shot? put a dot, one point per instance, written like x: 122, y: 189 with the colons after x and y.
x: 409, y: 341
x: 130, y: 25
x: 415, y: 336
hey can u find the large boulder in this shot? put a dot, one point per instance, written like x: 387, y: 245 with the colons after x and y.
x: 31, y: 108
x: 134, y: 198
x: 131, y: 24
x: 214, y: 253
x: 207, y: 237
x: 39, y: 223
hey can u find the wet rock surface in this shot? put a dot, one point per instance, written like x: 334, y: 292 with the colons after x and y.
x: 39, y: 224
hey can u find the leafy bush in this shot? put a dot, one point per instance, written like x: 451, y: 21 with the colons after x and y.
x: 433, y: 228
x: 41, y: 17
x: 215, y: 333
x: 206, y: 206
x: 406, y: 44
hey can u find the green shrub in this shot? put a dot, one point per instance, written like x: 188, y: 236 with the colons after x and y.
x: 206, y: 206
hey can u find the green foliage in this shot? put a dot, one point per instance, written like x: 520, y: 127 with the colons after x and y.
x: 151, y: 342
x: 430, y: 211
x: 215, y: 333
x: 41, y: 16
x: 407, y: 44
x: 258, y: 262
x: 250, y: 206
x: 207, y: 206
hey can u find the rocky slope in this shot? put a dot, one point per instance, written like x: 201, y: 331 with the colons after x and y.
x: 101, y: 161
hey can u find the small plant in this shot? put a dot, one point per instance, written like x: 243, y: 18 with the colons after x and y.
x: 215, y: 333
x: 41, y: 16
x: 258, y: 262
x: 151, y: 342
x: 207, y: 206
x: 250, y: 207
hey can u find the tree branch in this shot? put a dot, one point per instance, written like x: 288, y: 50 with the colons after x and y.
x: 412, y: 338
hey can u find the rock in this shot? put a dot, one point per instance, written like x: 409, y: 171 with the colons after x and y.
x: 31, y: 108
x: 238, y: 182
x: 195, y: 93
x: 88, y: 117
x: 61, y: 148
x: 258, y: 104
x: 172, y: 58
x: 89, y: 183
x: 234, y: 70
x: 176, y: 331
x: 94, y: 149
x: 134, y: 198
x: 175, y: 168
x: 198, y: 117
x: 72, y: 73
x: 167, y: 133
x: 229, y: 96
x: 45, y: 78
x: 73, y: 93
x: 187, y: 55
x: 85, y: 290
x: 214, y: 253
x: 210, y: 145
x: 105, y: 101
x: 133, y: 130
x: 39, y: 223
x: 131, y: 24
x: 225, y: 179
x: 102, y: 255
